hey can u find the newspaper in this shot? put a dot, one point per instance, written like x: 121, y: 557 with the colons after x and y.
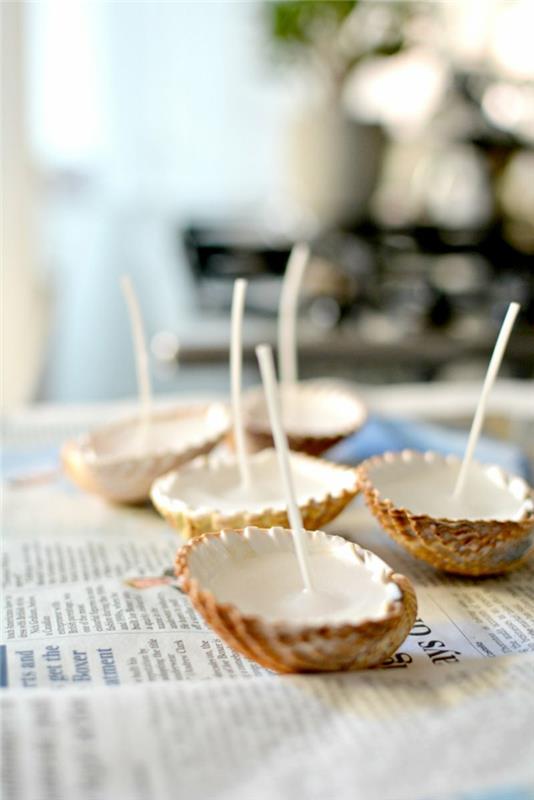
x: 72, y: 612
x: 452, y: 733
x: 90, y: 607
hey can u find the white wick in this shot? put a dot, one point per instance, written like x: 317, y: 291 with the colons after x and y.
x: 265, y: 358
x: 140, y: 349
x: 236, y: 361
x: 287, y: 317
x: 489, y: 380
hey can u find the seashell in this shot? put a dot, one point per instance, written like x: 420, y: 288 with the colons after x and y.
x: 205, y: 496
x: 318, y: 645
x: 489, y: 531
x: 110, y: 461
x: 316, y: 415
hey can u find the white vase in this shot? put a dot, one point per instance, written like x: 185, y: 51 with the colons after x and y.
x: 333, y: 164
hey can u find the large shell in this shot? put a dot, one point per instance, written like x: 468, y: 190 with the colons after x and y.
x: 127, y: 479
x: 285, y: 646
x: 340, y: 486
x: 461, y: 546
x: 318, y: 415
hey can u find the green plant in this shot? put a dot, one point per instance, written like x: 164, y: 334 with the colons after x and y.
x: 337, y: 34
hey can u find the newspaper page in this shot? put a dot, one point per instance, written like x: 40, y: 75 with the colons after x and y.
x: 457, y: 733
x: 90, y: 604
x: 72, y: 612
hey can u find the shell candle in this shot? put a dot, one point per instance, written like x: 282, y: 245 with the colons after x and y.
x: 120, y: 461
x: 486, y: 530
x: 316, y: 415
x: 247, y: 586
x: 207, y: 495
x: 462, y: 518
x: 247, y: 490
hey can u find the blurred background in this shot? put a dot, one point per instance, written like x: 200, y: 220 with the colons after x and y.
x: 187, y: 143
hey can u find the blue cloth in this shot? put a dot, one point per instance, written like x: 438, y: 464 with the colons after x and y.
x: 500, y: 793
x: 16, y: 462
x: 380, y: 435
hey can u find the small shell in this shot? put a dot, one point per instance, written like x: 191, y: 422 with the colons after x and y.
x: 127, y: 479
x: 319, y: 414
x: 340, y: 486
x: 461, y: 546
x: 285, y: 646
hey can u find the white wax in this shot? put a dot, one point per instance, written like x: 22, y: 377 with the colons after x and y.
x: 220, y: 488
x: 270, y: 586
x: 427, y: 488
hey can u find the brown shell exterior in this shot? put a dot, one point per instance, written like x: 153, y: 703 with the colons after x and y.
x: 282, y: 648
x: 258, y: 439
x: 315, y: 514
x: 128, y: 481
x: 259, y: 436
x: 462, y: 547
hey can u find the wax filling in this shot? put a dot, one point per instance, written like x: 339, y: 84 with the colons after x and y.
x: 221, y: 490
x: 427, y: 488
x: 270, y: 586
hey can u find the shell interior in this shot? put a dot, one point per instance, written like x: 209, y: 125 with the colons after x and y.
x: 423, y: 484
x: 209, y: 485
x: 171, y: 431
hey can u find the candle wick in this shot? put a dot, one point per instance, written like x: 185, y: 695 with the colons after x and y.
x: 288, y: 311
x: 265, y: 358
x: 141, y: 359
x: 236, y: 366
x: 489, y: 380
